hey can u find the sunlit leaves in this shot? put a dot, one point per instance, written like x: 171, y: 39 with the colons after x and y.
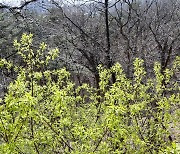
x: 44, y: 111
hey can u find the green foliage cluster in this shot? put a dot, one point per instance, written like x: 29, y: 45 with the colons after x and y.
x: 45, y: 112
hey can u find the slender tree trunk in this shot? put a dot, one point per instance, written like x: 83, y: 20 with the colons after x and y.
x: 108, y: 49
x: 97, y: 78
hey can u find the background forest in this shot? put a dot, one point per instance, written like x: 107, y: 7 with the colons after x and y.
x: 92, y: 76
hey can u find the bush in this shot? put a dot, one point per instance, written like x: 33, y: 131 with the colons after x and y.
x: 44, y: 112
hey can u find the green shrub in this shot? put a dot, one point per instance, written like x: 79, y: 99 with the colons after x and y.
x: 44, y: 112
